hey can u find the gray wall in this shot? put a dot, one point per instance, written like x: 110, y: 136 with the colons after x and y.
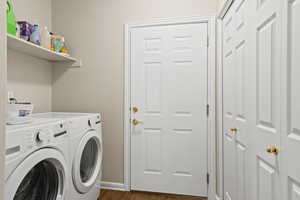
x: 220, y: 4
x: 30, y: 78
x: 94, y: 30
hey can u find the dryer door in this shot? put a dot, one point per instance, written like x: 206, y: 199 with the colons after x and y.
x: 87, y: 162
x: 41, y: 176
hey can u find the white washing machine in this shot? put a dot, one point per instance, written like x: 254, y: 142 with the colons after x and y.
x: 85, y: 153
x: 37, y: 161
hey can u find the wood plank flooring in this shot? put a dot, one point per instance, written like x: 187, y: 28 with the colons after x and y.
x: 120, y: 195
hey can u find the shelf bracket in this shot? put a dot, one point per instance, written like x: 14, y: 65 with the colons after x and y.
x: 75, y: 64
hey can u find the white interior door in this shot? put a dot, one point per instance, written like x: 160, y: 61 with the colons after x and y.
x: 230, y: 175
x: 268, y: 133
x: 169, y: 90
x: 236, y: 113
x: 291, y: 104
x: 265, y: 59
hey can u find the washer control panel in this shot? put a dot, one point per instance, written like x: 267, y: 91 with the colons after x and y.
x: 42, y: 136
x: 26, y: 139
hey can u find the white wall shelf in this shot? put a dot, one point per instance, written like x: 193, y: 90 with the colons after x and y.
x: 31, y: 49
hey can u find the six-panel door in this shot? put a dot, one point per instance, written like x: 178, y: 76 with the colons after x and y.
x: 169, y: 94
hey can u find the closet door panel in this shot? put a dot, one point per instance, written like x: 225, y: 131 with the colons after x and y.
x: 266, y: 176
x: 267, y: 116
x: 235, y: 95
x: 266, y: 109
x: 291, y: 138
x: 293, y: 145
x: 266, y: 34
x: 241, y: 171
x: 230, y: 175
x: 293, y: 190
x: 240, y: 80
x: 229, y: 138
x: 241, y: 92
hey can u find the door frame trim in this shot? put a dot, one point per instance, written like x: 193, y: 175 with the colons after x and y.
x: 211, y: 22
x: 219, y: 107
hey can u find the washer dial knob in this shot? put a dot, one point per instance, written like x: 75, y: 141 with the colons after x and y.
x: 41, y: 136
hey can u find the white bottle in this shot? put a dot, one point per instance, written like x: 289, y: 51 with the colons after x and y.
x: 46, y: 38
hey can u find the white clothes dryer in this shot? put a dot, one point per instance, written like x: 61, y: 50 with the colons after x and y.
x: 85, y: 152
x: 37, y: 161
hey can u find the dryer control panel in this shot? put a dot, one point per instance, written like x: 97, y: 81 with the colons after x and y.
x: 94, y: 121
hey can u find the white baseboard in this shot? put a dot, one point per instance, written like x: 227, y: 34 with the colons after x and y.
x: 113, y: 186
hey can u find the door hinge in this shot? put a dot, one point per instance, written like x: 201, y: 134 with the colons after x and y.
x: 207, y: 178
x: 207, y: 110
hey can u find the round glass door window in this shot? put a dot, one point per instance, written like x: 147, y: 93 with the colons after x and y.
x: 41, y: 183
x: 89, y: 160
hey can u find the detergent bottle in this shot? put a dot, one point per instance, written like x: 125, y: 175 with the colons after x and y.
x: 35, y: 37
x: 45, y: 38
x: 11, y: 19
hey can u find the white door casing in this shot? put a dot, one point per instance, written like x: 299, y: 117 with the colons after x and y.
x: 169, y: 88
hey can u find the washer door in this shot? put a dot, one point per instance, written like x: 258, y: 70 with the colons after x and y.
x: 41, y: 176
x: 87, y: 162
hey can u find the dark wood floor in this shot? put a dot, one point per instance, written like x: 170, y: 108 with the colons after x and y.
x: 119, y: 195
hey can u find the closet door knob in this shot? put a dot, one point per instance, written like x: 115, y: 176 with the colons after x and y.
x: 136, y: 122
x: 233, y: 130
x: 273, y: 150
x: 135, y: 110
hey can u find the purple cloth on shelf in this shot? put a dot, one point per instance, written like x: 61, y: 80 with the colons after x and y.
x: 26, y: 29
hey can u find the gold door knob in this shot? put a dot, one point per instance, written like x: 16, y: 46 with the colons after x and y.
x: 135, y: 110
x: 273, y: 150
x: 233, y: 130
x: 136, y: 122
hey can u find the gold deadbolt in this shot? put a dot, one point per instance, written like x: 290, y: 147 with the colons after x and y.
x: 135, y: 110
x: 136, y: 122
x: 233, y: 129
x: 273, y: 150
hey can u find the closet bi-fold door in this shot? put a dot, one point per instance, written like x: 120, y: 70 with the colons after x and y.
x: 291, y: 101
x: 228, y: 98
x: 236, y: 84
x: 264, y: 57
